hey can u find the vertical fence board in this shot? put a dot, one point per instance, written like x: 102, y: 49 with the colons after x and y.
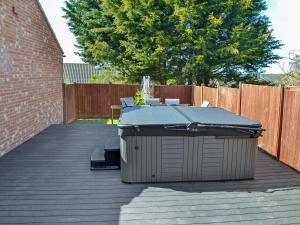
x: 70, y: 103
x: 210, y: 95
x: 290, y: 135
x: 229, y: 99
x: 262, y: 104
x: 197, y: 96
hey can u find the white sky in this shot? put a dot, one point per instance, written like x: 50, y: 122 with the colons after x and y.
x: 284, y: 16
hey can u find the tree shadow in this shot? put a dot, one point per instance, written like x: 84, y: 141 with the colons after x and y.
x: 276, y: 186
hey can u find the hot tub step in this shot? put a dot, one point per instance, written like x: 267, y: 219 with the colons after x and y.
x: 112, y: 151
x: 106, y: 168
x: 102, y: 160
x: 98, y: 159
x: 112, y: 158
x: 113, y: 144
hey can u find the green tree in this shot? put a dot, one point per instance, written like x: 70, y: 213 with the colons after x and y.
x: 292, y: 77
x: 191, y: 41
x: 107, y: 76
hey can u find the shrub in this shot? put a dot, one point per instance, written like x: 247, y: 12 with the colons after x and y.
x: 139, y: 98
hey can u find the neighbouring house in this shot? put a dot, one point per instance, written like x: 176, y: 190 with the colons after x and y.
x: 79, y: 72
x: 31, y: 73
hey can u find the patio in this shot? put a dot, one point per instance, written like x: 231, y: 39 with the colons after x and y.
x: 47, y: 180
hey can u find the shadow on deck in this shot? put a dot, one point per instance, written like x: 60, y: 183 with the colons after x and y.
x: 47, y: 180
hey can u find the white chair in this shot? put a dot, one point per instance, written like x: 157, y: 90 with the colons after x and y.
x: 205, y: 104
x: 127, y: 102
x: 152, y: 101
x: 172, y: 101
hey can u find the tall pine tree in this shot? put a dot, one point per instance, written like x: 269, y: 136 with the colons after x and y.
x: 192, y: 41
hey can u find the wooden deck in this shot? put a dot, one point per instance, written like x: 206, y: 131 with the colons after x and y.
x: 47, y: 180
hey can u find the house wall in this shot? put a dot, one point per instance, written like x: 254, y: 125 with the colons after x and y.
x: 31, y: 73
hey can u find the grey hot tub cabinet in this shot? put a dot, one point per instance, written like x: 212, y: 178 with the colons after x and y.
x: 165, y: 143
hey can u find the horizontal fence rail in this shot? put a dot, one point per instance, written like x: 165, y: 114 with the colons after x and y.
x: 276, y: 108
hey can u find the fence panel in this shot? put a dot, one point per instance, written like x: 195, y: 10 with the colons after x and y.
x: 197, y: 95
x: 183, y: 92
x: 290, y: 134
x: 263, y: 104
x: 70, y: 103
x: 210, y: 95
x: 229, y: 99
x: 118, y: 91
x: 94, y: 100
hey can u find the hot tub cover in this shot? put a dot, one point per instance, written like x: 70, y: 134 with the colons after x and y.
x: 162, y: 120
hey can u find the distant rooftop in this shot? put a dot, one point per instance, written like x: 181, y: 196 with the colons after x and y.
x: 270, y: 77
x: 79, y: 72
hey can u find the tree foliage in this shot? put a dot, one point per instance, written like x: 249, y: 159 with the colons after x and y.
x: 292, y: 77
x: 107, y: 76
x: 188, y: 40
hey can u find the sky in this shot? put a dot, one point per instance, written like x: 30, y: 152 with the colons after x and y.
x: 284, y: 16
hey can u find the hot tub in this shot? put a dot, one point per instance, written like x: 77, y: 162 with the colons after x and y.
x: 179, y: 143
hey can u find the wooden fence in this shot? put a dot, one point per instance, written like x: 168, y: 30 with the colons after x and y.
x: 263, y: 104
x: 197, y: 96
x: 70, y: 103
x: 224, y: 97
x: 210, y: 95
x: 229, y: 99
x: 94, y: 100
x: 183, y: 92
x: 290, y: 130
x: 277, y: 109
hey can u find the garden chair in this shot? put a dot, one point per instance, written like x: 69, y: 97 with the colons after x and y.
x: 172, y: 101
x: 127, y: 102
x: 152, y: 101
x: 205, y: 104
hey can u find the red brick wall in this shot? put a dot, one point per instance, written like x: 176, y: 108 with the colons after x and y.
x: 31, y: 73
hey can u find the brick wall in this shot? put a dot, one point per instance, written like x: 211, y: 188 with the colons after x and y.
x: 31, y: 73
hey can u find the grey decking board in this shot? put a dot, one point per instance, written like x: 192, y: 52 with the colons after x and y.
x: 54, y: 191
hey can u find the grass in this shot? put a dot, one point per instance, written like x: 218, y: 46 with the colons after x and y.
x: 96, y: 121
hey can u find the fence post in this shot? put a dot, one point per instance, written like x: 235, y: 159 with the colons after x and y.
x: 240, y: 98
x: 76, y: 101
x: 192, y: 95
x: 64, y: 102
x: 217, y: 96
x: 201, y: 94
x: 282, y: 89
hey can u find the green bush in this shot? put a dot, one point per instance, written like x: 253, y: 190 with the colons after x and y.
x: 139, y: 98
